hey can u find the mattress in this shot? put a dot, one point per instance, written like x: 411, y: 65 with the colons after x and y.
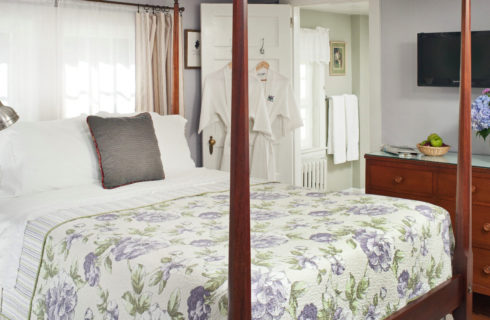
x: 163, y: 254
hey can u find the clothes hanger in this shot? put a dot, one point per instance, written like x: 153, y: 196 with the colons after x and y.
x: 262, y: 65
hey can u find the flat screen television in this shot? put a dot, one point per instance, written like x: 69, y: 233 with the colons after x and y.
x: 439, y: 59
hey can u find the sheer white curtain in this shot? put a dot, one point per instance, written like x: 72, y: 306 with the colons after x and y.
x: 314, y: 59
x: 63, y: 61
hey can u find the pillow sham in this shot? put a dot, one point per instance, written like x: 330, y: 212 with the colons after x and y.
x: 127, y: 149
x: 174, y: 149
x: 47, y: 155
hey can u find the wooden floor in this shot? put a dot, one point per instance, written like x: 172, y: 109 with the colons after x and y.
x: 481, y: 307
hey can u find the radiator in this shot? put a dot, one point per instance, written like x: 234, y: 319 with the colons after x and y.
x: 315, y: 174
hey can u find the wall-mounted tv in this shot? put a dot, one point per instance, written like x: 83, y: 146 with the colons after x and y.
x: 439, y: 59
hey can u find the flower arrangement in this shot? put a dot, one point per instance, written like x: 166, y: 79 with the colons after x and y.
x: 480, y: 114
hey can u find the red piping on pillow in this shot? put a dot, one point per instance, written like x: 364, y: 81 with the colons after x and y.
x: 98, y: 155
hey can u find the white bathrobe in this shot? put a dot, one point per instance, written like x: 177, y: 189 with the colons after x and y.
x: 283, y: 113
x: 216, y: 106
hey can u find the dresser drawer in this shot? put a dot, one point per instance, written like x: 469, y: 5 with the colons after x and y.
x: 481, y: 268
x: 401, y: 180
x: 481, y: 189
x: 481, y: 226
x: 446, y: 187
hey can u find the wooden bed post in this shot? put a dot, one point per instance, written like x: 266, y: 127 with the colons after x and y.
x: 463, y: 255
x: 239, y: 291
x: 176, y: 60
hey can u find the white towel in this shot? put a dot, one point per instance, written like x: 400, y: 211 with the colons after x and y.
x: 352, y: 126
x: 336, y: 129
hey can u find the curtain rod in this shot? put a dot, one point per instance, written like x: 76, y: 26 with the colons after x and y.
x: 137, y: 4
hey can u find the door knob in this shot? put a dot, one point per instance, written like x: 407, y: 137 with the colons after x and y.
x: 486, y: 227
x: 211, y: 142
x: 398, y: 179
x: 486, y: 269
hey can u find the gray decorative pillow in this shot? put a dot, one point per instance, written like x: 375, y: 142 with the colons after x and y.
x: 127, y: 148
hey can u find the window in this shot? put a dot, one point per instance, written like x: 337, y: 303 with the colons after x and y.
x: 64, y: 61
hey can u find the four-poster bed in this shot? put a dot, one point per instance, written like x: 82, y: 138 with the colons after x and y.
x: 158, y: 249
x: 453, y: 296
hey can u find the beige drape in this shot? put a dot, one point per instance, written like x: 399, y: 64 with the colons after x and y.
x: 154, y: 78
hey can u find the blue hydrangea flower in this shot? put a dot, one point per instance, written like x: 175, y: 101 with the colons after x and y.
x: 480, y: 113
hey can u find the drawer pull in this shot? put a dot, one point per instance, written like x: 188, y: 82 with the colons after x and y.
x: 486, y: 227
x: 473, y: 188
x: 486, y: 269
x: 398, y: 179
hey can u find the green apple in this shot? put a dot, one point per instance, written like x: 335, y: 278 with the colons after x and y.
x: 436, y: 142
x: 433, y: 136
x: 423, y: 143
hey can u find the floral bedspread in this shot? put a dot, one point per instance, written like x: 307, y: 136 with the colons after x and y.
x: 315, y: 256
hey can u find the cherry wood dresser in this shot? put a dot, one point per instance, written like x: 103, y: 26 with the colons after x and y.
x: 433, y: 179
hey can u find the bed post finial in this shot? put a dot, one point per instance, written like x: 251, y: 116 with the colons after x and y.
x: 239, y: 292
x: 463, y: 255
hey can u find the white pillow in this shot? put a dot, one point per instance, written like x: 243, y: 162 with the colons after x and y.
x: 170, y: 132
x: 49, y: 155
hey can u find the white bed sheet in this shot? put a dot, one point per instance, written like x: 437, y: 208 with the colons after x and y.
x: 16, y: 211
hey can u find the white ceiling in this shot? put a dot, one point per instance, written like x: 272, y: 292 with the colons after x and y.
x: 338, y: 6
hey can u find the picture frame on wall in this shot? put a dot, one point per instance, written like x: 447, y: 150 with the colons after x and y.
x: 192, y: 49
x: 338, y: 58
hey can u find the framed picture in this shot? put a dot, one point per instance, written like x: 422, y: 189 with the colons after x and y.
x: 338, y: 58
x: 192, y: 49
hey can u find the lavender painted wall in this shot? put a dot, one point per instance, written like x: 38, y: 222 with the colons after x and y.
x: 192, y: 77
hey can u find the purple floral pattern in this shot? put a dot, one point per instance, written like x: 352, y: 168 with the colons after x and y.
x: 131, y: 248
x: 309, y: 312
x: 91, y: 270
x: 372, y: 210
x: 313, y: 255
x: 61, y: 298
x: 377, y: 249
x: 197, y: 308
x: 270, y: 293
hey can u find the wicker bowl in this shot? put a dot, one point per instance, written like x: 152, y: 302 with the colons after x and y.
x: 433, y: 151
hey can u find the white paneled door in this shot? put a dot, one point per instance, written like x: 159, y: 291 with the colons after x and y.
x: 270, y: 39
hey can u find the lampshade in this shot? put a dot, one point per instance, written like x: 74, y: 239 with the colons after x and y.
x: 8, y: 116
